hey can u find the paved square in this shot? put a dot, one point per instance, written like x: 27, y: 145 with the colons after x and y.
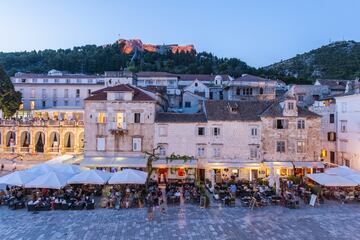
x: 330, y: 221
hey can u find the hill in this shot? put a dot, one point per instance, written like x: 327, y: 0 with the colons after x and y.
x: 338, y: 60
x: 94, y: 59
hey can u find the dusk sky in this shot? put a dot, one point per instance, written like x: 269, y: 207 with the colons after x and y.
x: 257, y: 32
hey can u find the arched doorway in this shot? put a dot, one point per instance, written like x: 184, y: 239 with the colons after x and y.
x: 10, y: 139
x: 25, y: 141
x: 69, y: 142
x: 81, y: 140
x: 54, y: 141
x: 39, y: 142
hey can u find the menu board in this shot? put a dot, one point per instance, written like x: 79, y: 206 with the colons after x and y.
x: 313, y: 200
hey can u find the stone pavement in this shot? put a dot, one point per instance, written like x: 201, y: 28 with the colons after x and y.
x: 329, y: 221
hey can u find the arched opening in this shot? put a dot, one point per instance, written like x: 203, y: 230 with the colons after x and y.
x: 10, y: 139
x: 261, y: 91
x: 25, y: 141
x: 54, y: 142
x: 39, y: 142
x: 238, y: 91
x: 81, y: 140
x: 69, y: 141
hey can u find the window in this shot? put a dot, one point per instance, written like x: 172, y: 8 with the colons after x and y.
x: 343, y: 107
x: 221, y: 95
x: 90, y: 81
x: 301, y: 124
x: 57, y: 81
x: 280, y: 146
x: 77, y: 103
x: 281, y: 124
x: 254, y: 132
x: 43, y: 93
x: 301, y: 98
x: 201, y: 151
x: 216, y: 131
x: 216, y: 152
x: 300, y: 146
x: 253, y: 151
x: 66, y: 93
x: 120, y: 120
x: 78, y: 80
x: 162, y: 131
x: 136, y: 144
x: 332, y: 118
x: 66, y: 103
x: 343, y: 126
x: 100, y: 144
x: 196, y: 84
x: 43, y: 104
x: 77, y: 93
x: 32, y: 93
x: 162, y: 151
x: 201, y: 131
x: 34, y: 80
x: 187, y: 104
x: 323, y: 153
x: 261, y: 91
x: 238, y: 90
x: 332, y: 136
x: 68, y: 81
x: 101, y: 117
x: 290, y: 105
x: 54, y: 93
x: 54, y: 103
x: 46, y: 80
x: 23, y: 80
x: 137, y: 117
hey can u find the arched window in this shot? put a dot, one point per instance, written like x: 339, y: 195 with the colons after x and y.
x: 261, y: 91
x: 238, y: 91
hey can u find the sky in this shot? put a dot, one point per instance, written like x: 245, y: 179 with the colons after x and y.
x: 259, y: 32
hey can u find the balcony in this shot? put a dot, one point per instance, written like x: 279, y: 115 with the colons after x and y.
x: 118, y: 129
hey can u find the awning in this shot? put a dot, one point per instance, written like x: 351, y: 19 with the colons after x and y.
x: 329, y: 180
x: 279, y: 164
x: 220, y: 165
x: 175, y: 163
x: 308, y: 164
x: 136, y: 162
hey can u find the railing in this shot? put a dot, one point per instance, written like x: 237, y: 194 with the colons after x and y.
x: 54, y: 149
x: 25, y: 149
x: 41, y: 123
x: 69, y: 149
x: 323, y: 109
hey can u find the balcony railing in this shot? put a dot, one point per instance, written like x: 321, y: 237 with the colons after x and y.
x: 116, y: 128
x: 24, y: 149
x: 69, y: 149
x: 41, y: 123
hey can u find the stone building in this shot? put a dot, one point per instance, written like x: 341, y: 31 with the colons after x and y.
x: 249, y: 87
x: 46, y: 135
x: 119, y: 123
x: 290, y: 134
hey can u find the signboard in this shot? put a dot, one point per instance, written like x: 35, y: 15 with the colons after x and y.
x: 313, y: 200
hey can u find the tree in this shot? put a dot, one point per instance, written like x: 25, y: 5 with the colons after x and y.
x: 9, y: 99
x: 154, y: 156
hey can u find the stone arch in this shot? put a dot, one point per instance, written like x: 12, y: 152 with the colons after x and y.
x: 54, y: 141
x: 69, y: 140
x: 40, y: 142
x: 25, y: 139
x: 10, y: 138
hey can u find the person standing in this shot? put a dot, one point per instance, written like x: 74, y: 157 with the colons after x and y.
x: 150, y: 207
x: 2, y: 167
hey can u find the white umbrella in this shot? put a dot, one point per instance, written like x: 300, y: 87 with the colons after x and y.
x: 52, y: 180
x: 128, y: 176
x: 18, y: 178
x: 59, y: 167
x: 277, y: 180
x: 90, y: 177
x: 341, y: 171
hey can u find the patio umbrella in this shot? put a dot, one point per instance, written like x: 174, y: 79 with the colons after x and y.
x: 58, y: 167
x: 51, y: 180
x: 90, y: 177
x: 18, y: 178
x: 128, y: 176
x: 341, y: 171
